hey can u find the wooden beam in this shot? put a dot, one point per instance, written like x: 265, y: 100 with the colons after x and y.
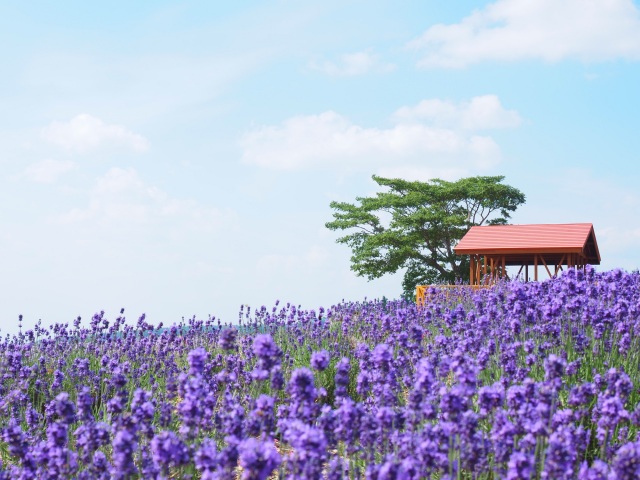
x: 526, y: 272
x: 545, y: 266
x: 535, y: 265
x: 559, y: 264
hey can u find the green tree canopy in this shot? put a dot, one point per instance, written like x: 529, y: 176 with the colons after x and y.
x: 416, y: 225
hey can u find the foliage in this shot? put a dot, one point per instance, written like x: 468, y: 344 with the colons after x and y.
x: 523, y: 380
x: 425, y: 222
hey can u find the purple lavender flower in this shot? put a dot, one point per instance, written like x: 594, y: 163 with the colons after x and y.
x: 15, y: 438
x: 33, y: 418
x: 143, y: 411
x: 258, y: 459
x: 561, y: 455
x: 338, y: 469
x: 228, y: 338
x: 261, y: 419
x: 363, y: 383
x: 573, y: 367
x: 90, y: 436
x: 618, y: 383
x: 166, y: 414
x: 392, y: 470
x: 301, y: 385
x: 168, y: 451
x: 554, y: 368
x: 320, y: 360
x: 197, y: 360
x: 503, y: 435
x: 342, y: 377
x: 277, y: 378
x: 348, y: 416
x: 608, y: 413
x: 265, y: 348
x: 63, y: 408
x: 626, y: 463
x: 382, y: 356
x: 124, y: 447
x: 453, y: 402
x: 490, y: 398
x: 309, y: 449
x: 53, y: 458
x: 581, y: 395
x: 206, y: 458
x: 598, y: 471
x: 84, y: 403
x: 268, y: 354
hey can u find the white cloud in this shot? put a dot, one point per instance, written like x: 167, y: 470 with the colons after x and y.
x: 549, y: 30
x: 618, y: 238
x: 313, y: 259
x: 84, y: 133
x: 47, y: 171
x: 439, y: 139
x: 480, y: 113
x: 121, y: 196
x: 352, y: 64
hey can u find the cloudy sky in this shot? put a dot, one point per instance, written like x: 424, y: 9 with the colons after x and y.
x: 178, y: 158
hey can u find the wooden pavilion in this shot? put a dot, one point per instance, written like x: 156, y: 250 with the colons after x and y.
x: 553, y: 246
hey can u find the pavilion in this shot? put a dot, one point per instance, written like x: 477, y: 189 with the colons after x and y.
x: 492, y: 248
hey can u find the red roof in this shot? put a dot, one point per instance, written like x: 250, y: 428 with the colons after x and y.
x: 530, y: 239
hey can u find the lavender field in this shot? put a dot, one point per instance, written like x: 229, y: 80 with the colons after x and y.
x: 524, y: 380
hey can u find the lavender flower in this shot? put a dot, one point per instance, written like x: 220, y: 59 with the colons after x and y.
x: 626, y: 463
x: 197, y: 360
x: 206, y: 458
x: 124, y: 447
x: 169, y: 451
x: 342, y: 377
x: 320, y: 360
x: 228, y: 338
x: 258, y: 459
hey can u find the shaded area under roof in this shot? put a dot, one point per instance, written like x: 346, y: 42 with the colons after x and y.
x: 518, y: 243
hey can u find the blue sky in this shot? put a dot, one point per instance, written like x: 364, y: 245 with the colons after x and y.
x: 178, y: 158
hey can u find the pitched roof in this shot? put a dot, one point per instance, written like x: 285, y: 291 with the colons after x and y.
x: 529, y: 239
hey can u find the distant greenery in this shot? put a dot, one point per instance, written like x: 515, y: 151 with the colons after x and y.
x: 425, y: 222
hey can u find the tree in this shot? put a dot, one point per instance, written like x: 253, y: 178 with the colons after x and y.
x: 416, y: 225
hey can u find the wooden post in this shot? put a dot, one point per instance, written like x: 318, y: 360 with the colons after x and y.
x: 503, y: 273
x: 535, y: 267
x: 472, y: 261
x: 526, y: 272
